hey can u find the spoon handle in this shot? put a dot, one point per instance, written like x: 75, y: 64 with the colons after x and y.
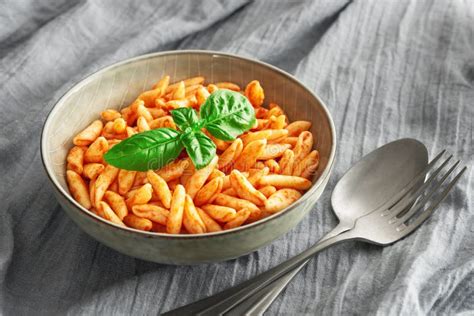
x: 224, y: 301
x: 259, y: 303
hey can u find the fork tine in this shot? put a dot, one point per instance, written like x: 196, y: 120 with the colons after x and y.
x: 397, y: 197
x: 422, y: 202
x: 406, y: 229
x: 431, y: 178
x: 404, y: 197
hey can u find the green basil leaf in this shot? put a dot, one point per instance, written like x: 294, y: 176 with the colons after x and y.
x: 227, y: 114
x: 200, y: 148
x: 185, y: 117
x: 144, y: 151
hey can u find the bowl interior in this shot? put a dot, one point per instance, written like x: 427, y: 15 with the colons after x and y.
x: 118, y: 85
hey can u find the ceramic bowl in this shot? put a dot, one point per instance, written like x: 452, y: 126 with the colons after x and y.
x: 118, y: 85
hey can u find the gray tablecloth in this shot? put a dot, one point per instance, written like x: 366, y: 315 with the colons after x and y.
x: 386, y: 69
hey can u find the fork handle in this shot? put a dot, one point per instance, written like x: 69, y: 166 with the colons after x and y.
x: 222, y: 302
x: 259, y: 303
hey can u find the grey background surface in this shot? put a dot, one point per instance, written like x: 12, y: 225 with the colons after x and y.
x: 386, y: 69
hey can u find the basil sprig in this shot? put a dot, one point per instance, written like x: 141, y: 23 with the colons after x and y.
x: 225, y: 114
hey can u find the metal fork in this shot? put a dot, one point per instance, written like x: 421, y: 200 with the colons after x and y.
x: 385, y: 225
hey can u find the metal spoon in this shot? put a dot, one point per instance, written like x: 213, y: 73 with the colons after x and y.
x: 365, y: 187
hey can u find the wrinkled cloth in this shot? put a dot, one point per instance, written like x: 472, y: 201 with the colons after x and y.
x: 386, y: 70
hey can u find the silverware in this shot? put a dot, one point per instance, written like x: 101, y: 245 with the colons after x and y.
x: 387, y: 223
x: 261, y: 301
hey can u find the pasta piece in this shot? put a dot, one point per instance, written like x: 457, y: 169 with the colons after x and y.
x: 273, y: 151
x: 152, y: 212
x: 297, y: 127
x: 106, y: 212
x: 197, y: 180
x: 289, y: 140
x: 256, y: 174
x: 215, y: 174
x: 235, y: 203
x: 75, y: 159
x: 110, y: 115
x: 254, y: 92
x: 230, y: 191
x: 175, y: 217
x: 220, y: 213
x: 160, y: 122
x: 312, y: 159
x: 303, y: 146
x: 78, y: 188
x: 275, y: 110
x: 208, y: 192
x: 140, y: 179
x: 176, y: 104
x: 96, y: 150
x: 268, y: 134
x: 117, y: 203
x: 278, y: 122
x: 312, y: 163
x: 191, y: 90
x: 156, y: 113
x: 138, y: 222
x: 281, y: 199
x: 283, y: 181
x: 160, y: 188
x: 228, y: 85
x: 142, y: 124
x: 192, y: 221
x: 286, y: 162
x: 141, y: 196
x: 245, y: 189
x: 91, y: 192
x: 273, y: 166
x: 119, y: 126
x: 162, y: 84
x: 89, y: 134
x: 230, y: 154
x: 239, y: 219
x: 130, y: 131
x: 179, y: 93
x: 212, y: 88
x: 92, y: 170
x: 143, y: 112
x: 211, y: 225
x: 103, y: 181
x: 268, y: 190
x: 187, y: 82
x: 150, y: 96
x: 126, y: 179
x: 201, y: 95
x: 174, y: 170
x: 249, y: 154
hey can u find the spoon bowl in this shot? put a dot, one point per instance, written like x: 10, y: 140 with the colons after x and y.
x: 363, y: 188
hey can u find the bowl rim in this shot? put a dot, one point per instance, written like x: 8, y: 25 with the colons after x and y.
x: 322, y: 178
